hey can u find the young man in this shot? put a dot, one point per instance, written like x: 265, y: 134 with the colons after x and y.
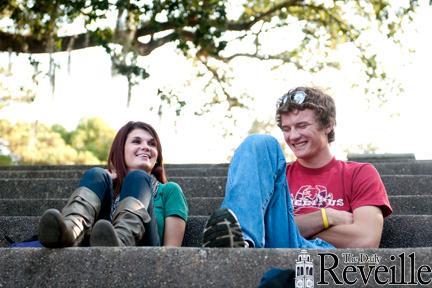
x: 316, y: 201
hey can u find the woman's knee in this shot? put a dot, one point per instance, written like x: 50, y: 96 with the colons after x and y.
x: 137, y: 184
x: 137, y: 175
x: 97, y: 180
x: 95, y: 171
x: 95, y: 174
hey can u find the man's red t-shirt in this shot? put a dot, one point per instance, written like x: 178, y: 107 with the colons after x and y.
x: 341, y: 185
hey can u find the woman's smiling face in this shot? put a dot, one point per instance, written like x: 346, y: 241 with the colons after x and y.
x: 140, y: 150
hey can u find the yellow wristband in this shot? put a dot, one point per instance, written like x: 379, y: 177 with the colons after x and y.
x: 324, y: 218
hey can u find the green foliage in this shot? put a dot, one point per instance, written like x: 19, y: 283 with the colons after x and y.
x: 5, y: 160
x: 92, y: 135
x: 170, y: 98
x: 35, y: 143
x: 65, y: 134
x: 201, y: 29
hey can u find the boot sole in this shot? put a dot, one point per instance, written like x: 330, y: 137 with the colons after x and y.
x: 223, y: 230
x: 103, y: 234
x: 50, y: 229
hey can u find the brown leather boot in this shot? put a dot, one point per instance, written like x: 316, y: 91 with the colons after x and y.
x: 127, y: 227
x: 68, y: 227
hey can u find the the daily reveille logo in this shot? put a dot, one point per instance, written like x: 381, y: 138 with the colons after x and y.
x: 304, y: 271
x: 345, y: 269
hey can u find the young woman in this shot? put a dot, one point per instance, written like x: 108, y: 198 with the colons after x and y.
x: 130, y: 203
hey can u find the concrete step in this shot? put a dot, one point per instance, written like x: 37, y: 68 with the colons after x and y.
x: 417, y: 167
x: 400, y: 231
x: 402, y: 205
x: 192, y: 186
x: 411, y: 204
x: 61, y: 188
x: 199, y: 267
x: 20, y: 228
x: 35, y: 207
x: 420, y: 167
x: 385, y: 157
x: 57, y: 171
x: 85, y: 167
x: 77, y: 173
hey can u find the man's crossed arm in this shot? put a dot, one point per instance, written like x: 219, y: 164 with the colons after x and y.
x: 360, y: 229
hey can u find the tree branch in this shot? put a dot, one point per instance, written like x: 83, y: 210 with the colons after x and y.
x: 28, y: 44
x: 235, y: 26
x: 232, y: 100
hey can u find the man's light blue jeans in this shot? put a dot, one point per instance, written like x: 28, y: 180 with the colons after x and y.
x: 257, y: 192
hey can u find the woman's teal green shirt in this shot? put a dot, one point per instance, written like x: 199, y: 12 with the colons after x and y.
x: 169, y: 201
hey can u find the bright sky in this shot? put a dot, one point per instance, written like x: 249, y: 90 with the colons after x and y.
x: 401, y: 126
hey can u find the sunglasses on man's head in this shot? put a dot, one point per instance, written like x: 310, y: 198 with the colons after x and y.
x: 297, y: 97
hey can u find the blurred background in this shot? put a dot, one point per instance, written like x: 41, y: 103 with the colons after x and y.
x: 208, y: 73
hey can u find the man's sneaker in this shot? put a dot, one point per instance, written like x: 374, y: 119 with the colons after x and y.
x: 223, y: 230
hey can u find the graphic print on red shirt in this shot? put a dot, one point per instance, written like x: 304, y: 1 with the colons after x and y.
x: 316, y: 196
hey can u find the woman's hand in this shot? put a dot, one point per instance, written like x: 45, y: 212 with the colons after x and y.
x: 112, y: 174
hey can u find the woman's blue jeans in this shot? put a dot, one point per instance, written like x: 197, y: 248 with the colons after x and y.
x: 257, y: 192
x: 136, y: 184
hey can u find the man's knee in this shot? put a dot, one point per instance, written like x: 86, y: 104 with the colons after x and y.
x: 260, y: 140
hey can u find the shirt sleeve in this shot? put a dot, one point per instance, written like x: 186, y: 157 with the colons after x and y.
x: 175, y: 202
x: 368, y: 190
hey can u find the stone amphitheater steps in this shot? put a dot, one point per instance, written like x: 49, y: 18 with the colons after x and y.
x: 186, y: 267
x: 22, y: 189
x: 202, y: 206
x: 210, y: 186
x: 423, y: 167
x: 419, y: 167
x: 399, y: 231
x: 76, y: 173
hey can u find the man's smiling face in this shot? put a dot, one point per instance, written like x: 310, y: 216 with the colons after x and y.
x: 304, y: 135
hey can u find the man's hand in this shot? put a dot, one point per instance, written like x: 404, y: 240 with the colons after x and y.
x: 336, y: 217
x: 364, y: 232
x: 312, y: 223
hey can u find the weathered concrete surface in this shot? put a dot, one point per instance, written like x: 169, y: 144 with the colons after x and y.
x: 35, y: 207
x: 76, y: 173
x: 411, y: 204
x: 203, y: 206
x: 399, y: 231
x: 197, y: 267
x: 84, y: 167
x: 170, y: 168
x: 192, y: 186
x: 423, y: 167
x: 386, y: 157
x: 418, y: 167
x: 62, y: 188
